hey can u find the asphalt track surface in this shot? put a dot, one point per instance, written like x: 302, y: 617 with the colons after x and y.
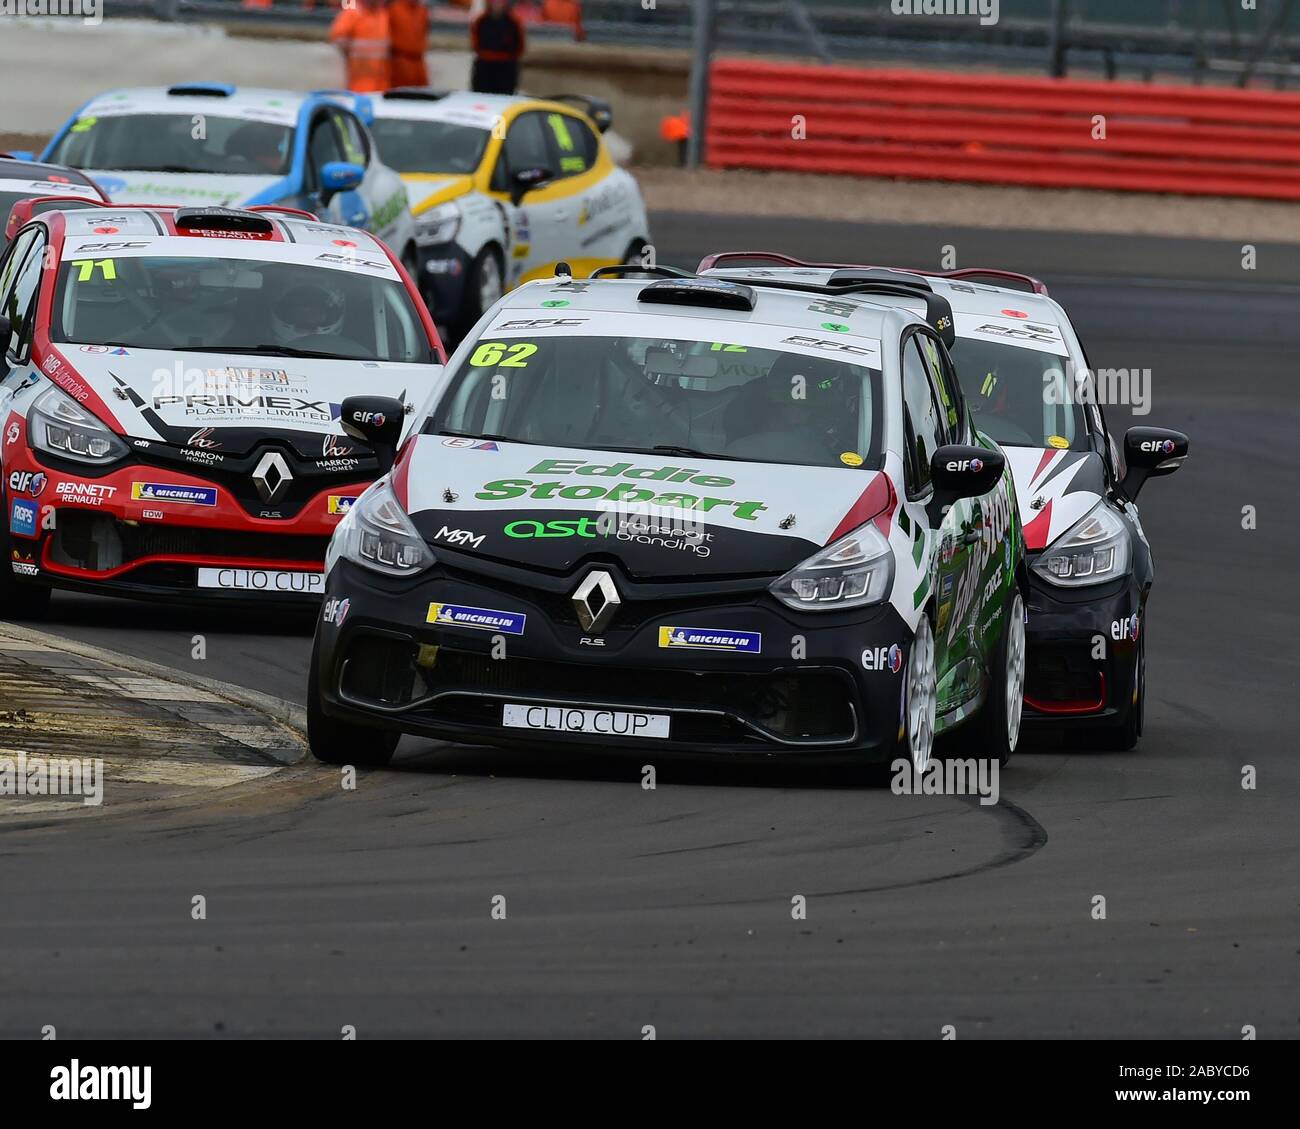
x: 672, y: 907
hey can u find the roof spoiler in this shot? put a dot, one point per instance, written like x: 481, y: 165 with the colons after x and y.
x: 866, y: 282
x: 415, y: 94
x: 201, y: 90
x: 597, y: 109
x: 1027, y: 282
x: 28, y: 208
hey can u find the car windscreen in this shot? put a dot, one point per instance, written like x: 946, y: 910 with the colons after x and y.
x: 411, y: 146
x: 180, y: 143
x: 705, y: 395
x: 235, y: 306
x: 1020, y: 396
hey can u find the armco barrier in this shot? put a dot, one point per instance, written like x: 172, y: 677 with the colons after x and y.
x: 999, y: 130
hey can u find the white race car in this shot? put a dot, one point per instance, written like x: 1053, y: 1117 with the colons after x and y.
x: 503, y: 188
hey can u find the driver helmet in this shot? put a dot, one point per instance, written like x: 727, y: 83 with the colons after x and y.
x: 258, y: 143
x: 314, y: 309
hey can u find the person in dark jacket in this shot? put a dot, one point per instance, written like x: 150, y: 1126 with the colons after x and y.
x: 497, y: 37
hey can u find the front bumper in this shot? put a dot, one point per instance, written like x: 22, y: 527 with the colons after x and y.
x: 1082, y: 653
x: 386, y: 665
x: 111, y: 536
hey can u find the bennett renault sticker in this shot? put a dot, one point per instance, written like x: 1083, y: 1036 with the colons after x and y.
x: 711, y: 639
x: 340, y: 503
x: 22, y: 518
x: 171, y: 492
x: 85, y: 493
x: 481, y: 619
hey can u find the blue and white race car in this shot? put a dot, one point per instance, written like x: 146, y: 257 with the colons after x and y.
x: 208, y: 144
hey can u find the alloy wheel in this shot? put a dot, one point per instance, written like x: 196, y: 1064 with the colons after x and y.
x: 921, y: 696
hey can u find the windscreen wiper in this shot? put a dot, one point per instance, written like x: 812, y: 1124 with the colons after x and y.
x: 486, y: 435
x: 689, y: 452
x: 168, y: 168
x: 268, y: 350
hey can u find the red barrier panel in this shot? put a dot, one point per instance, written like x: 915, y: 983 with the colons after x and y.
x: 1001, y: 130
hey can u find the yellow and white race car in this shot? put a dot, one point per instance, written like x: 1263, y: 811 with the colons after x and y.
x: 502, y: 188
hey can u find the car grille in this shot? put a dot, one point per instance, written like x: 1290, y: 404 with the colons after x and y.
x: 235, y: 476
x: 1063, y: 679
x: 150, y: 541
x: 99, y: 542
x: 802, y: 705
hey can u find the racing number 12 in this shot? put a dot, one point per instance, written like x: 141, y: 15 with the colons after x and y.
x: 106, y: 267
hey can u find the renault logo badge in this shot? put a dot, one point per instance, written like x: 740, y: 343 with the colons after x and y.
x: 596, y: 600
x: 272, y: 476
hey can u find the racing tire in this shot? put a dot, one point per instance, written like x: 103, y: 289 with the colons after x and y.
x: 18, y: 601
x: 342, y: 742
x: 996, y: 730
x: 1124, y: 736
x: 485, y: 284
x: 920, y: 698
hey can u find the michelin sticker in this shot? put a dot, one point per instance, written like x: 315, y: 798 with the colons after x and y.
x: 481, y: 619
x: 711, y: 639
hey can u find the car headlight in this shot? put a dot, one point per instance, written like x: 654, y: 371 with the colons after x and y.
x: 1093, y: 550
x: 438, y: 225
x: 849, y: 573
x: 59, y: 426
x: 377, y: 534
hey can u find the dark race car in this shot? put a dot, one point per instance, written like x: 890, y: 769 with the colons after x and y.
x: 1029, y: 386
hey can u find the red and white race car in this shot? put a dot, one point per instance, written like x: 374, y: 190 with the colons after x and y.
x: 171, y: 382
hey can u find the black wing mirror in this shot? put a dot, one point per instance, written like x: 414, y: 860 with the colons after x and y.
x: 1150, y: 452
x: 958, y: 471
x: 376, y: 420
x: 525, y: 180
